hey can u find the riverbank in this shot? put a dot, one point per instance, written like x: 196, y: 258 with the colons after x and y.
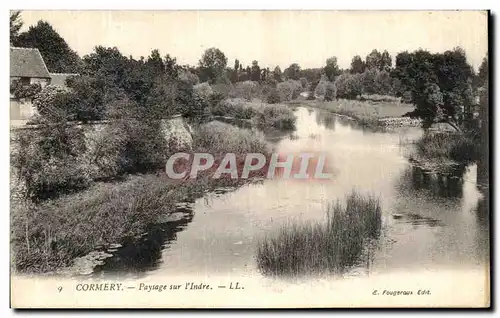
x: 442, y: 151
x: 367, y: 113
x: 46, y: 237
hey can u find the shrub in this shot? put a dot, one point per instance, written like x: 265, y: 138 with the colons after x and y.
x: 24, y: 92
x: 285, y: 91
x: 459, y: 147
x: 303, y: 83
x: 188, y: 77
x: 247, y: 90
x: 317, y: 248
x: 348, y: 86
x: 44, y: 101
x: 320, y: 88
x: 289, y: 90
x: 276, y: 116
x: 203, y: 91
x: 330, y: 91
x: 137, y: 137
x: 222, y: 89
x: 273, y: 97
x: 48, y: 160
x: 85, y: 99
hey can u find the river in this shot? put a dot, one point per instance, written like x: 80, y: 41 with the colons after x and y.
x: 430, y: 221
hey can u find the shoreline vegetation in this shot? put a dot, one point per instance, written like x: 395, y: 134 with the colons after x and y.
x: 319, y: 247
x: 48, y: 236
x: 69, y: 195
x: 367, y: 114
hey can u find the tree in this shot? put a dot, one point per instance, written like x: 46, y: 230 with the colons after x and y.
x: 385, y: 61
x: 330, y: 91
x: 369, y: 81
x: 483, y: 74
x: 235, y: 72
x: 108, y: 64
x: 212, y: 64
x: 154, y: 64
x: 311, y: 74
x: 440, y: 84
x: 57, y: 54
x: 15, y: 25
x: 292, y: 72
x: 277, y: 74
x: 85, y: 100
x: 357, y: 65
x: 332, y: 69
x: 374, y: 60
x: 349, y: 85
x: 171, y: 69
x: 255, y: 71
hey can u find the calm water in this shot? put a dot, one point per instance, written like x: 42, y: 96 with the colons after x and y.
x: 430, y: 221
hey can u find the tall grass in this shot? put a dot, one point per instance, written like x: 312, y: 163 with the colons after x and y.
x: 49, y: 235
x: 319, y: 247
x: 458, y: 147
x: 220, y: 137
x: 263, y: 115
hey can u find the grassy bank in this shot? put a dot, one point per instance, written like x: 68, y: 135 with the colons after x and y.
x: 365, y: 113
x: 263, y: 115
x: 318, y: 247
x: 48, y: 235
x: 447, y: 148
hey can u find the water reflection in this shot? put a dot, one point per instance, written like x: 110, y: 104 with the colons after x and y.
x: 430, y: 219
x: 326, y: 119
x: 447, y: 184
x: 139, y: 255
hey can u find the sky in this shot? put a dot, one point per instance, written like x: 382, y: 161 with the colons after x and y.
x: 270, y: 37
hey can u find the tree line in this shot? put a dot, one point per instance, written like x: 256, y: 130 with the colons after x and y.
x: 441, y: 85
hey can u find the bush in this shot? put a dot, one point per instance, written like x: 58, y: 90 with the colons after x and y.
x: 138, y: 138
x: 289, y: 90
x: 85, y: 99
x: 24, y: 92
x: 273, y: 97
x: 48, y: 161
x: 459, y: 147
x: 45, y: 100
x: 303, y: 83
x: 317, y: 248
x: 349, y: 86
x: 247, y: 90
x: 330, y: 91
x: 285, y: 91
x: 276, y: 116
x: 188, y: 77
x: 222, y: 89
x: 203, y: 91
x: 320, y: 89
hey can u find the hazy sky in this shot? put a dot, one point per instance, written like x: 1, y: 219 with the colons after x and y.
x: 270, y: 37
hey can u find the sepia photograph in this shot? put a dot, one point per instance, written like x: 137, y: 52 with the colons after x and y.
x: 249, y: 159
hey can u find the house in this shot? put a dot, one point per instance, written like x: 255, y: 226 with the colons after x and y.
x: 28, y: 67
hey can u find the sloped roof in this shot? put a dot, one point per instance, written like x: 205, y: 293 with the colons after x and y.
x: 27, y: 62
x: 59, y: 79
